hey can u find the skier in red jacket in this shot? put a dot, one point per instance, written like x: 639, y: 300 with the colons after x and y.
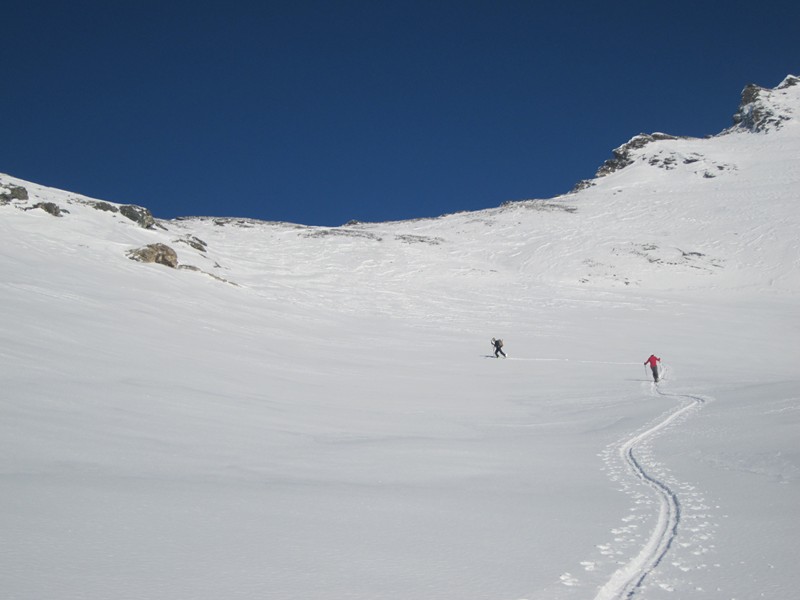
x: 653, y: 361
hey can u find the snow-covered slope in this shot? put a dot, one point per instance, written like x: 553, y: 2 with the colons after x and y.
x: 305, y: 412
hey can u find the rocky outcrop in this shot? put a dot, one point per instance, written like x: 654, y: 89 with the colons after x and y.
x: 623, y: 155
x: 164, y: 255
x: 790, y: 81
x: 155, y: 253
x: 104, y: 206
x: 758, y: 112
x: 9, y: 192
x: 51, y: 208
x: 752, y: 114
x: 194, y: 242
x: 583, y: 184
x: 140, y: 215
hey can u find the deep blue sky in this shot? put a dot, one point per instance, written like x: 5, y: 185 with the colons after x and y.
x: 323, y: 112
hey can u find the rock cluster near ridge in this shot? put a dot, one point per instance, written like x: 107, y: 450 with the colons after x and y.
x: 10, y: 192
x: 55, y: 202
x: 759, y: 112
x: 50, y: 208
x: 155, y: 253
x: 623, y: 156
x: 139, y: 215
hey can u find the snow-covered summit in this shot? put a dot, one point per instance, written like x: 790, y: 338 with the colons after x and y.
x: 763, y: 110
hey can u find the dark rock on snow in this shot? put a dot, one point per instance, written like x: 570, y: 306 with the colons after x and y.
x: 622, y: 155
x: 11, y: 192
x: 756, y: 112
x: 50, y: 207
x: 104, y: 206
x: 139, y: 215
x: 155, y: 253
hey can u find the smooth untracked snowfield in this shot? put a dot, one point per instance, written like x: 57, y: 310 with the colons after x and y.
x: 324, y: 418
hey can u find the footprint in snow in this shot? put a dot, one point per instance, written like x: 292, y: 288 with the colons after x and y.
x: 568, y: 579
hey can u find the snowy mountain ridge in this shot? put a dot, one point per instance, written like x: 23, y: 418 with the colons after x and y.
x: 650, y: 207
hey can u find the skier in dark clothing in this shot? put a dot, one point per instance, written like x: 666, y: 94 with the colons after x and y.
x: 653, y: 362
x: 498, y: 348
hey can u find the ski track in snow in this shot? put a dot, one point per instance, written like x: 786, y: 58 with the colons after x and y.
x: 629, y: 578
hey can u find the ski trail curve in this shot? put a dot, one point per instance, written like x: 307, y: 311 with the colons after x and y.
x: 626, y: 580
